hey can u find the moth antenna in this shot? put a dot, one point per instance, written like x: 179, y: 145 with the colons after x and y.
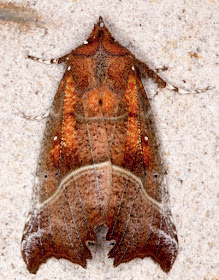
x: 50, y: 61
x: 148, y: 72
x: 184, y: 91
x: 45, y: 61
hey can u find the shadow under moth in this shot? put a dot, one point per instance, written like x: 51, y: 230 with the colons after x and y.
x: 100, y: 163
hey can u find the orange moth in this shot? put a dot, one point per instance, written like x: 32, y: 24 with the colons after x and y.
x: 100, y: 163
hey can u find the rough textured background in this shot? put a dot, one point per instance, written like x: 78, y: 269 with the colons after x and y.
x: 178, y: 34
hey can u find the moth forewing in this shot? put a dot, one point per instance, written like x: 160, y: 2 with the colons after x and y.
x: 100, y: 164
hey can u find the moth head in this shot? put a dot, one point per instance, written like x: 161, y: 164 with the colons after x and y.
x: 99, y: 31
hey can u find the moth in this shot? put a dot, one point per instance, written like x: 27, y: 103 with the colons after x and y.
x: 100, y: 163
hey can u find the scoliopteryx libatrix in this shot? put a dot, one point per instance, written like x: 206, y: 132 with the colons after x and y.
x: 100, y: 163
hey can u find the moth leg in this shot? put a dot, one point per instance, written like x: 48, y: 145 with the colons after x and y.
x: 37, y: 118
x: 149, y: 73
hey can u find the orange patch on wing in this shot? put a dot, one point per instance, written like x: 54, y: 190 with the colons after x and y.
x: 68, y: 139
x: 109, y: 103
x: 55, y: 154
x: 133, y: 139
x: 91, y: 104
x: 100, y: 102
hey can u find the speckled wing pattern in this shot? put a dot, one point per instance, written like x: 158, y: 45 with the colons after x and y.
x: 100, y: 164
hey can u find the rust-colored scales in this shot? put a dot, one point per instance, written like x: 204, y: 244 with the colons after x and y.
x: 100, y: 164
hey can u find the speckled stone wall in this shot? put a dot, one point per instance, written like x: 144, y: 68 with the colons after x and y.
x: 180, y: 35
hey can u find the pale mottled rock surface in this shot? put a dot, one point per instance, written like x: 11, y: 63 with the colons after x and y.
x: 177, y: 34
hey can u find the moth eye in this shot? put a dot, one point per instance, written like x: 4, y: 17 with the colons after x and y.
x: 45, y: 176
x: 156, y: 175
